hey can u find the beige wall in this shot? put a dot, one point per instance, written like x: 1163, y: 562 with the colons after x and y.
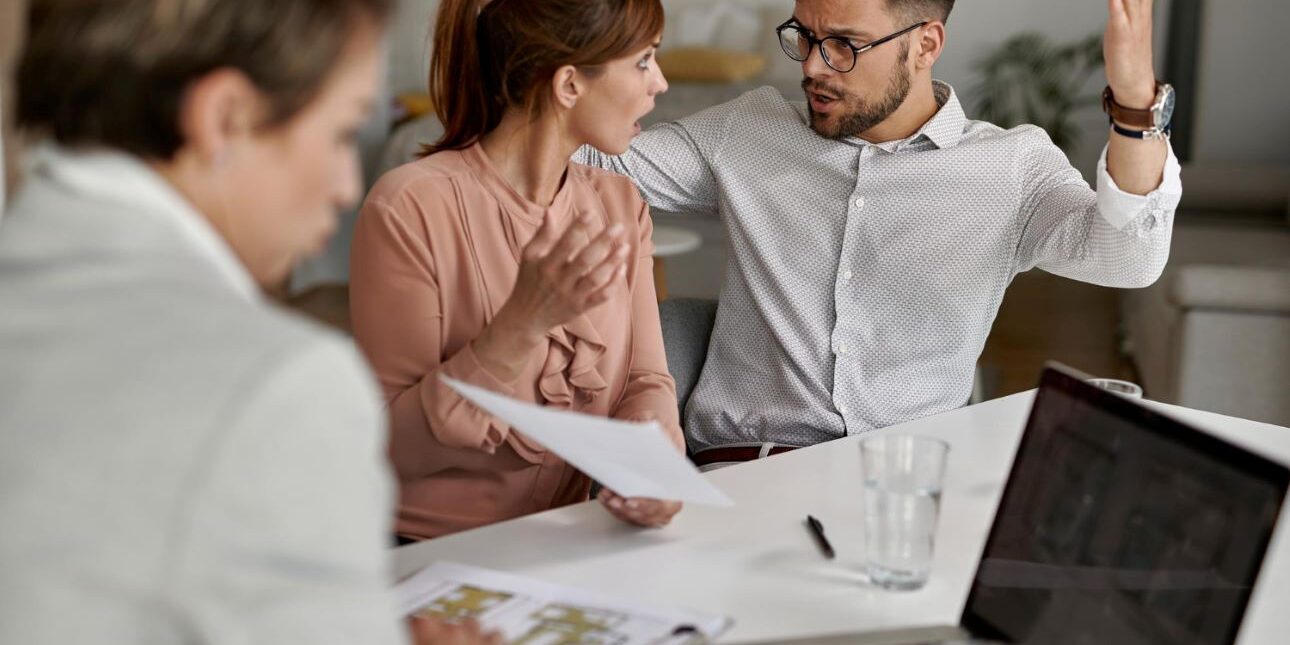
x: 410, y: 45
x: 1243, y: 86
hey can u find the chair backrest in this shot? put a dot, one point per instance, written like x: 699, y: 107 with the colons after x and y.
x: 687, y: 326
x: 326, y: 303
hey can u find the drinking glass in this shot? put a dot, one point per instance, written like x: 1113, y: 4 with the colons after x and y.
x: 902, y: 499
x: 1125, y: 388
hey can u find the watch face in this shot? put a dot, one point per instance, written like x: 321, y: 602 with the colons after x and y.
x: 1164, y: 107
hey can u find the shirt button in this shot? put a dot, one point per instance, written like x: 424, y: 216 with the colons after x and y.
x: 842, y: 409
x: 848, y: 275
x: 842, y: 348
x: 859, y: 202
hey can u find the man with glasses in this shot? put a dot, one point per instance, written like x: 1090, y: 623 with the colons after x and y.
x: 874, y: 228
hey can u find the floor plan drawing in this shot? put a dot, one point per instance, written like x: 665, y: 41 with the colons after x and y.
x: 531, y: 612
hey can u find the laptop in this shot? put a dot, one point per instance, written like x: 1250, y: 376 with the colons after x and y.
x: 1117, y: 525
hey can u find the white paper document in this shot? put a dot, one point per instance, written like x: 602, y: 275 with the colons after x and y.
x: 631, y: 459
x: 531, y: 612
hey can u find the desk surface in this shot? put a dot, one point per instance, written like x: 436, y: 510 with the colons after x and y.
x: 756, y: 562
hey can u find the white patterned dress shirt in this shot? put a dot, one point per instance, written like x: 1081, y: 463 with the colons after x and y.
x: 863, y: 278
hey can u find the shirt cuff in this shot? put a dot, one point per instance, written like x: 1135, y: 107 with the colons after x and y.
x: 466, y: 367
x: 1120, y: 208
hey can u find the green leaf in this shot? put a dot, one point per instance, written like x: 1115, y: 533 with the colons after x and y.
x: 1027, y: 78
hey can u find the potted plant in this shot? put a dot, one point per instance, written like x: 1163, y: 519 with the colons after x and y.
x: 1029, y: 79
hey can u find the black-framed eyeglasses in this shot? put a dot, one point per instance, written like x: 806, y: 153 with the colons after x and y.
x: 837, y: 51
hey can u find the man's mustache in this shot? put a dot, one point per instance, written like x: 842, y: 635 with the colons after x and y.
x: 819, y: 88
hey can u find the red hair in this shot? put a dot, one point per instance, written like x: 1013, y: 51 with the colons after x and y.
x: 493, y: 55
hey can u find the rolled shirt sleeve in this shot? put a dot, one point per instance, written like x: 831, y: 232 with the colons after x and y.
x: 1121, y: 209
x: 1108, y: 237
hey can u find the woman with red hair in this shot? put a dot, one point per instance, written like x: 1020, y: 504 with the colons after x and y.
x: 494, y: 260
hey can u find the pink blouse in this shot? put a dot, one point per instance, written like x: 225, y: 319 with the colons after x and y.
x: 435, y: 255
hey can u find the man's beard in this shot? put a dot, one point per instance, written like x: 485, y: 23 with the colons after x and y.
x: 863, y: 115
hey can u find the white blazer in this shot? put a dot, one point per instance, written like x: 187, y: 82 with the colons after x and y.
x: 180, y: 461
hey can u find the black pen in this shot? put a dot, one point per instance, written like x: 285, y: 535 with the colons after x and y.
x: 817, y: 530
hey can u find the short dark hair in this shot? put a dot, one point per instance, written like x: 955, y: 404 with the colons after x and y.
x: 114, y: 72
x: 918, y: 10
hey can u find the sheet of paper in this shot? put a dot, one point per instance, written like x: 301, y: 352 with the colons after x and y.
x: 533, y: 612
x: 631, y: 459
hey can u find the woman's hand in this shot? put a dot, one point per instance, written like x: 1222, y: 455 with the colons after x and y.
x: 561, y: 277
x: 432, y: 631
x: 564, y: 276
x: 641, y: 511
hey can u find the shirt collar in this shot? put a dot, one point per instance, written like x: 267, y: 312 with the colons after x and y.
x: 946, y: 127
x: 125, y: 180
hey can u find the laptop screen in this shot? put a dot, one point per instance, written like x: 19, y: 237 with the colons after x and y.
x: 1119, y: 525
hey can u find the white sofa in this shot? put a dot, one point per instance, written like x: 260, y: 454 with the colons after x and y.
x: 1214, y: 332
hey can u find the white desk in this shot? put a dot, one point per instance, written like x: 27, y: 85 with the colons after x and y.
x: 756, y: 562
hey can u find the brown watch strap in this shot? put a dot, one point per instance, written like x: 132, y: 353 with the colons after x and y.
x: 1142, y: 119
